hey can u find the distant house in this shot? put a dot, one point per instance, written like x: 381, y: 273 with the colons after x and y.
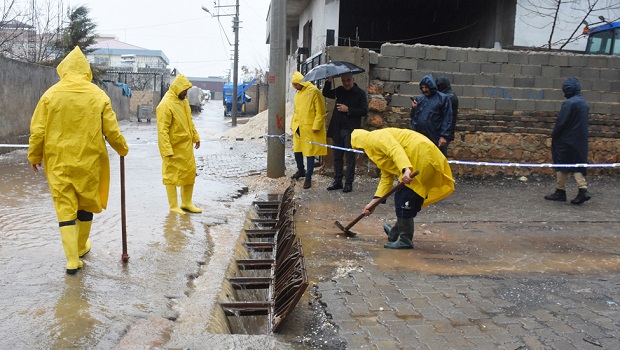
x: 213, y: 84
x: 117, y: 55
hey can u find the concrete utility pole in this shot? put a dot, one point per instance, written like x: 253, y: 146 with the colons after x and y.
x: 277, y: 89
x: 235, y: 58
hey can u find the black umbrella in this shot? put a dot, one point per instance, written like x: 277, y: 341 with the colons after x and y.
x: 331, y: 69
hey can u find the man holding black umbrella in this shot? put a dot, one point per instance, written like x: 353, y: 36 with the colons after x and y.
x: 351, y: 106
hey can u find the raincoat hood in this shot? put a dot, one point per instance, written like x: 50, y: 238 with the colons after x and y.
x: 297, y: 77
x: 430, y: 83
x: 359, y: 138
x: 179, y: 84
x: 75, y: 66
x: 571, y: 87
x: 443, y: 84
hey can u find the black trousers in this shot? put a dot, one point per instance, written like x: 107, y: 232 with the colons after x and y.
x: 344, y: 141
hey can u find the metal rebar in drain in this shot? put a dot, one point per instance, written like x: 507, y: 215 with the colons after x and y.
x: 288, y: 278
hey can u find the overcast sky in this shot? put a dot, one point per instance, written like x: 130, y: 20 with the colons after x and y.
x: 196, y: 44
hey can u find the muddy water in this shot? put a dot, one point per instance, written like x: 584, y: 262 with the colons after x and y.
x: 41, y: 307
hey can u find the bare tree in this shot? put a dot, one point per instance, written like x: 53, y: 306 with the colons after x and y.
x: 565, y: 15
x: 11, y: 26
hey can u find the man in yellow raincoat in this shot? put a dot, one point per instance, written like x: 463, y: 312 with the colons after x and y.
x: 176, y: 135
x: 67, y: 134
x: 307, y: 124
x: 399, y: 153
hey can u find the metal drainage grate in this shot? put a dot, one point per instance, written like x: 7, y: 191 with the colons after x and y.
x: 288, y: 278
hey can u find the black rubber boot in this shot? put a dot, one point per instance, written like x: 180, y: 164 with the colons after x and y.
x: 558, y: 195
x: 299, y: 174
x: 405, y: 240
x: 391, y: 232
x: 582, y: 196
x: 307, y: 183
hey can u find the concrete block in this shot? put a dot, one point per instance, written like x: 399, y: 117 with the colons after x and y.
x: 568, y: 72
x: 415, y: 52
x: 429, y: 66
x: 578, y: 61
x: 407, y: 63
x: 505, y: 105
x: 591, y: 74
x: 380, y: 73
x: 504, y: 81
x: 543, y: 82
x: 484, y: 80
x: 550, y: 71
x: 615, y: 109
x: 373, y: 57
x: 400, y: 75
x: 477, y: 56
x: 558, y: 60
x: 600, y: 108
x: 615, y: 86
x: 586, y: 84
x: 400, y: 101
x: 597, y: 61
x: 531, y: 71
x: 603, y: 85
x: 558, y: 82
x: 518, y: 58
x: 484, y: 103
x: 490, y: 68
x: 511, y: 69
x: 498, y: 56
x: 456, y: 55
x: 467, y: 102
x: 546, y: 106
x: 470, y: 67
x: 411, y: 88
x: 458, y: 89
x: 610, y: 74
x: 463, y: 79
x: 524, y: 82
x: 449, y: 66
x: 476, y: 91
x: 525, y: 105
x: 553, y: 95
x: 591, y: 96
x: 436, y: 53
x: 394, y: 50
x: 610, y: 97
x: 417, y: 75
x: 538, y: 59
x: 613, y: 62
x: 386, y: 62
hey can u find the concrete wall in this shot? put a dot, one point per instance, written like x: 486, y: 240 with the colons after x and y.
x: 141, y: 98
x: 21, y: 86
x: 508, y: 100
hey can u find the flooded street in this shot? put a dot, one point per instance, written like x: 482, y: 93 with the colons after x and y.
x: 41, y: 307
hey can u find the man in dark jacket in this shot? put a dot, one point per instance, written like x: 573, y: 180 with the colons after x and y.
x: 351, y: 106
x: 443, y: 86
x: 569, y: 142
x: 431, y: 114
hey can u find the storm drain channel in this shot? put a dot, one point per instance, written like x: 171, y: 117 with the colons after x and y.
x: 274, y: 270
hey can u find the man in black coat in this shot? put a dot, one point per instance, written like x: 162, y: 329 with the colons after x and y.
x: 351, y: 106
x: 569, y: 142
x: 443, y: 86
x: 431, y: 114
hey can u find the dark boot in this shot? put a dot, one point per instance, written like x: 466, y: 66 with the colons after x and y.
x: 336, y: 185
x: 348, y: 187
x: 558, y: 195
x: 582, y: 196
x: 405, y: 240
x: 299, y: 174
x: 391, y: 232
x: 307, y: 183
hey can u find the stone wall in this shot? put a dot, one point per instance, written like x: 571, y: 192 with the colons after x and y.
x: 21, y: 86
x: 508, y: 101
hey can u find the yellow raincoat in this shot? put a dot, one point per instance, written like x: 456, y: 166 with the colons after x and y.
x: 176, y: 135
x: 66, y: 133
x: 395, y: 149
x: 308, y: 115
